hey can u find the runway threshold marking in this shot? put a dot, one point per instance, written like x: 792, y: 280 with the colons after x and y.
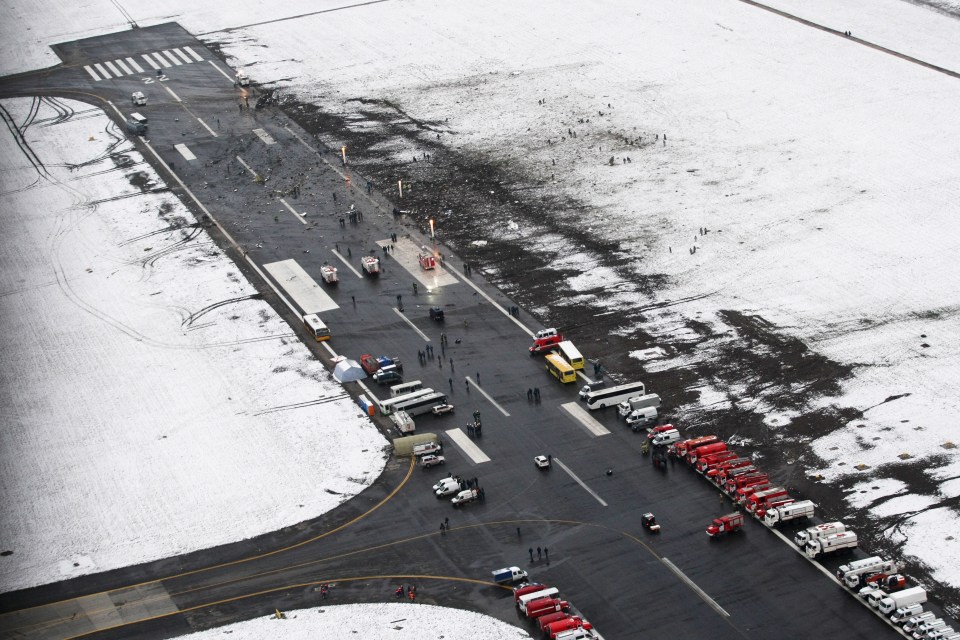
x: 149, y: 61
x: 693, y: 585
x: 406, y: 253
x: 193, y: 53
x: 580, y: 414
x: 214, y: 65
x: 93, y: 74
x: 580, y: 482
x: 469, y: 449
x: 266, y: 137
x: 347, y: 264
x: 293, y: 211
x: 410, y: 322
x: 185, y: 152
x: 487, y: 396
x: 133, y: 63
x: 172, y: 94
x: 298, y: 284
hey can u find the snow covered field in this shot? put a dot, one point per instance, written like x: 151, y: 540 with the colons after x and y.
x: 825, y: 171
x: 386, y: 621
x: 146, y: 395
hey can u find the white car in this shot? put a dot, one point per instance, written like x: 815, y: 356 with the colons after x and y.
x: 431, y: 461
x: 445, y: 487
x: 441, y: 409
x: 542, y: 462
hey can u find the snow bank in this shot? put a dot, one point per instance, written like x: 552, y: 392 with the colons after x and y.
x: 384, y: 621
x: 152, y: 405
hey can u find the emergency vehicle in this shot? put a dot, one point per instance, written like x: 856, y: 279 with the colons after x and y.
x: 371, y: 265
x: 329, y: 274
x: 725, y: 524
x: 427, y: 261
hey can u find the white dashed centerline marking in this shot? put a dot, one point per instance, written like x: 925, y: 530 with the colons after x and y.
x: 212, y: 132
x: 93, y: 74
x: 580, y: 482
x: 347, y: 264
x: 263, y: 135
x: 293, y: 211
x: 134, y: 65
x: 410, y: 322
x: 222, y: 72
x: 580, y: 414
x: 466, y: 445
x: 149, y: 61
x: 487, y: 396
x: 184, y: 151
x: 170, y: 91
x: 700, y: 592
x: 246, y: 166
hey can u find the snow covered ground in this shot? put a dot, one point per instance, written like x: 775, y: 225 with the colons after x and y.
x: 825, y: 171
x: 146, y: 396
x: 385, y: 621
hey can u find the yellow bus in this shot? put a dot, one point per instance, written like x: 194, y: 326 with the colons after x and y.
x: 569, y: 353
x: 560, y: 370
x: 316, y: 328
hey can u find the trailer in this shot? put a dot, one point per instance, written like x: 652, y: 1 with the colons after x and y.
x: 846, y: 541
x: 370, y: 265
x: 726, y: 524
x: 788, y: 512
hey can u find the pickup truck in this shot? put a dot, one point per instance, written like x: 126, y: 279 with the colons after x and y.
x: 432, y: 461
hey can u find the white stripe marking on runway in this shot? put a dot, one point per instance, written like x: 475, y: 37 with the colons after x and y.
x: 487, y: 396
x: 579, y: 414
x: 171, y: 57
x: 700, y: 592
x: 182, y: 55
x: 293, y: 211
x: 123, y: 65
x: 113, y: 69
x: 170, y: 91
x: 103, y: 72
x: 163, y: 61
x: 347, y: 264
x: 146, y: 56
x: 263, y: 135
x: 579, y: 481
x: 246, y: 166
x: 222, y: 72
x: 184, y: 151
x: 93, y: 74
x: 212, y: 132
x: 193, y: 53
x: 410, y: 322
x: 466, y: 445
x: 134, y: 65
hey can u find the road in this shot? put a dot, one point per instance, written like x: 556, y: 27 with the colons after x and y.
x: 276, y: 196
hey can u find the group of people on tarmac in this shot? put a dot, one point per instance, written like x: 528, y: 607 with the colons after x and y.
x: 411, y: 592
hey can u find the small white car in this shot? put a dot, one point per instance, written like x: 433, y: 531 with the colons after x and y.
x: 138, y: 99
x: 542, y: 462
x: 445, y: 487
x: 441, y: 409
x: 432, y: 461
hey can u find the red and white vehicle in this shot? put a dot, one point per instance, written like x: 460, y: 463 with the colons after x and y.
x: 723, y: 467
x: 539, y: 608
x: 725, y: 524
x: 745, y: 480
x: 694, y: 454
x: 371, y: 265
x: 427, y: 261
x: 652, y: 433
x: 544, y: 621
x: 745, y: 492
x: 681, y: 448
x: 329, y: 274
x: 560, y: 626
x: 707, y: 462
x: 764, y: 498
x: 784, y: 501
x: 721, y: 478
x: 545, y: 344
x: 369, y: 363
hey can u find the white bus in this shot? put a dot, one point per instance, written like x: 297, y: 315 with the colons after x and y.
x: 389, y: 406
x: 315, y: 326
x: 423, y: 404
x: 405, y: 388
x: 569, y: 353
x: 614, y: 395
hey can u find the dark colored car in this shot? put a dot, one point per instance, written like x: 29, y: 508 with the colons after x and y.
x: 436, y: 313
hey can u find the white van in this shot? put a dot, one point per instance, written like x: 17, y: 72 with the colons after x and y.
x: 138, y: 99
x: 642, y: 418
x: 428, y: 447
x: 666, y: 437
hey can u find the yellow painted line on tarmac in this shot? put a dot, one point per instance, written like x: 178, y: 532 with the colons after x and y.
x: 241, y: 560
x: 299, y: 585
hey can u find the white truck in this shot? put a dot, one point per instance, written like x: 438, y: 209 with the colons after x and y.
x: 627, y: 407
x: 915, y: 621
x: 900, y: 615
x: 403, y: 422
x: 853, y: 573
x: 818, y: 531
x: 243, y: 79
x: 907, y: 597
x: 465, y: 496
x: 329, y: 274
x: 788, y: 512
x: 831, y: 544
x: 371, y: 265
